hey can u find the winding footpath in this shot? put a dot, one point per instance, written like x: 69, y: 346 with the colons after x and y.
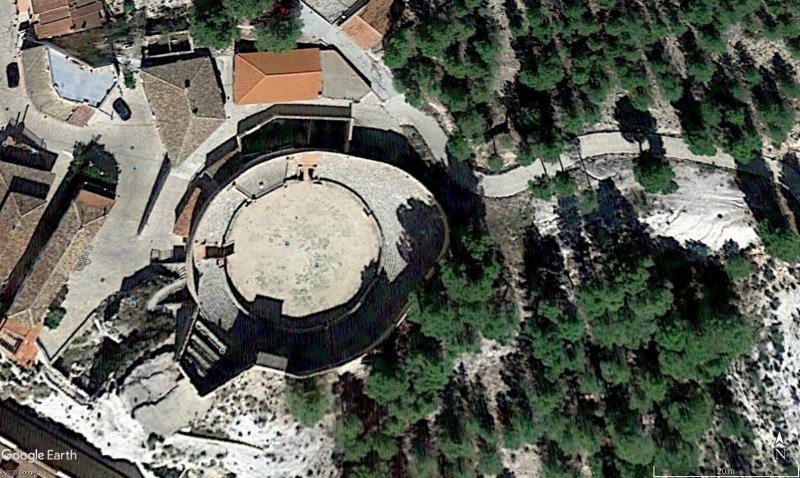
x: 592, y: 145
x: 513, y: 181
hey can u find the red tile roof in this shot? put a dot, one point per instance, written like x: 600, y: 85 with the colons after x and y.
x: 81, y: 115
x: 362, y: 32
x: 60, y: 17
x: 41, y: 6
x: 277, y: 77
x: 54, y: 15
x: 371, y: 24
x: 184, y: 222
x: 376, y: 14
x: 22, y: 339
x: 54, y: 29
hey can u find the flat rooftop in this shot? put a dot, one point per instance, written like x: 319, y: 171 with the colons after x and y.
x: 76, y: 82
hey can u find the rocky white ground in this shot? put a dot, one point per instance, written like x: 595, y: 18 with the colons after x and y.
x: 766, y: 385
x: 160, y: 398
x: 708, y: 206
x: 524, y: 463
x: 105, y: 422
x: 154, y: 8
x: 156, y: 418
x: 252, y: 411
x: 245, y: 426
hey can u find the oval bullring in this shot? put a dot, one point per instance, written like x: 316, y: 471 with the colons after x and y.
x: 304, y: 262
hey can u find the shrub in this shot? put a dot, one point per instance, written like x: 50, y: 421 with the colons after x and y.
x: 130, y: 81
x: 307, y: 401
x: 563, y: 185
x: 153, y: 439
x: 587, y: 202
x: 738, y: 267
x: 541, y: 188
x: 459, y: 147
x: 5, y: 372
x: 654, y: 173
x: 278, y: 34
x: 54, y: 317
x: 214, y: 29
x: 780, y: 243
x: 495, y: 162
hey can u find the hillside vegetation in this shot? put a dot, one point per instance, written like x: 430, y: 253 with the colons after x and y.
x: 574, y: 53
x: 619, y: 365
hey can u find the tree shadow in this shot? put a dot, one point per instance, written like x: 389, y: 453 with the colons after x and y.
x: 543, y: 265
x: 757, y: 183
x: 790, y: 181
x: 636, y: 126
x: 570, y: 231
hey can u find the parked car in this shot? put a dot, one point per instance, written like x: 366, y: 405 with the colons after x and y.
x: 122, y: 109
x: 12, y: 75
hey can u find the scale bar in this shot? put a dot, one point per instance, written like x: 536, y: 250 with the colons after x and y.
x: 724, y: 475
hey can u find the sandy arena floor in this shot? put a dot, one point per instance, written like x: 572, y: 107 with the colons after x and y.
x: 306, y: 244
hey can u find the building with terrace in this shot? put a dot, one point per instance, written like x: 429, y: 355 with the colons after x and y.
x: 63, y: 86
x: 301, y: 263
x: 74, y: 80
x: 295, y: 75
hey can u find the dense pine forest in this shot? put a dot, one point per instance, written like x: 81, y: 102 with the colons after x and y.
x: 616, y: 362
x: 573, y: 54
x: 611, y: 376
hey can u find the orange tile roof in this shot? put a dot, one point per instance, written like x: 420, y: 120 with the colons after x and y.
x: 88, y: 16
x: 184, y: 222
x: 90, y: 199
x: 81, y: 116
x: 362, y: 33
x: 309, y: 160
x: 23, y: 6
x: 292, y: 61
x: 60, y: 17
x: 277, y: 77
x: 54, y: 15
x: 92, y: 206
x: 25, y: 336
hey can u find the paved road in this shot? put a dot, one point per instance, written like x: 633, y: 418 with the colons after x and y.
x: 506, y: 184
x: 380, y: 79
